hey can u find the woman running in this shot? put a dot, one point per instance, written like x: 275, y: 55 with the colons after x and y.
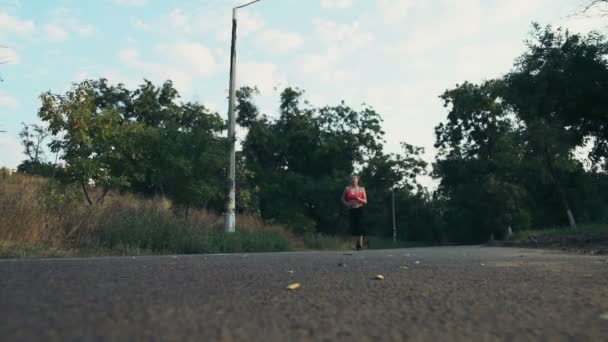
x: 355, y: 198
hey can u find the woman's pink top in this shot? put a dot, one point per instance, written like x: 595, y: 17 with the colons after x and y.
x: 350, y: 196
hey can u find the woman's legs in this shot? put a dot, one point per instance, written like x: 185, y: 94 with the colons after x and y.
x: 356, y: 216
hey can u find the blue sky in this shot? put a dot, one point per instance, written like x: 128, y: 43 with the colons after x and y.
x: 396, y: 55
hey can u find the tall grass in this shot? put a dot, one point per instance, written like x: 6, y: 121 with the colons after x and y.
x: 586, y: 228
x: 38, y: 212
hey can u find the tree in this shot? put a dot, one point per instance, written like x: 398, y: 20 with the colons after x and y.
x: 33, y: 142
x: 601, y: 5
x: 33, y: 138
x: 142, y: 140
x: 558, y: 90
x: 479, y: 154
x: 299, y: 163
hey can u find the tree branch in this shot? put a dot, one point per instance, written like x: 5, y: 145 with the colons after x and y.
x: 86, y: 193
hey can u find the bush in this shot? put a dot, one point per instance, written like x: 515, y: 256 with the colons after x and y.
x: 164, y: 234
x: 39, y: 214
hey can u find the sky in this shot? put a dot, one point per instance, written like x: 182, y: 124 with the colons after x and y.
x: 396, y: 55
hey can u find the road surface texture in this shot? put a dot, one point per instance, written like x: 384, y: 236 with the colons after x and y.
x: 428, y: 294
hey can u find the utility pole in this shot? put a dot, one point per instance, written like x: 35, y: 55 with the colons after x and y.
x: 394, y: 222
x: 231, y: 202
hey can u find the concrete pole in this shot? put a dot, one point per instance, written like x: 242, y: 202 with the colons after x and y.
x: 231, y: 205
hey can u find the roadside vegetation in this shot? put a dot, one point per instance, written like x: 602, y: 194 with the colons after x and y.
x: 137, y: 171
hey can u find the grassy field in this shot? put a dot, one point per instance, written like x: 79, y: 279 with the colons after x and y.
x: 41, y: 218
x: 587, y: 238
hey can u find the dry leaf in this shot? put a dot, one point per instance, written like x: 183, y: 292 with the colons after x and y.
x: 294, y: 286
x: 379, y: 277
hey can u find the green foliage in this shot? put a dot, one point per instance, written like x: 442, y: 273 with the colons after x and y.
x: 163, y: 234
x: 506, y: 152
x: 141, y: 140
x: 58, y: 197
x: 303, y: 159
x: 505, y: 155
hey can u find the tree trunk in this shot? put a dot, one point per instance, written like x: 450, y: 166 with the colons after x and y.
x: 103, y: 194
x: 560, y: 190
x: 86, y: 193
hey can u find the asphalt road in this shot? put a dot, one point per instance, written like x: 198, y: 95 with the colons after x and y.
x: 428, y: 294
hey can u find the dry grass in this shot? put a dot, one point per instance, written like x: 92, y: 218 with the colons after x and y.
x: 37, y: 212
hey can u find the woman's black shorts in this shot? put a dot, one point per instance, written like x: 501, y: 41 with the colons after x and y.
x: 357, y: 224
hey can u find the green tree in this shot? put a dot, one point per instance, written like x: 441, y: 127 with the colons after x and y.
x: 33, y: 138
x: 557, y: 89
x: 142, y: 140
x: 479, y: 155
x: 301, y: 161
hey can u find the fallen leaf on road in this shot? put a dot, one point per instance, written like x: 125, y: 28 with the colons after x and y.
x: 293, y: 286
x: 482, y: 264
x: 290, y: 272
x: 404, y: 268
x: 416, y: 262
x: 604, y: 316
x: 379, y: 277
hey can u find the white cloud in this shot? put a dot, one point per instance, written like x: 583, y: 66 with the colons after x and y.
x: 10, y: 151
x: 394, y: 11
x: 350, y: 36
x: 339, y: 41
x: 217, y: 22
x: 250, y: 22
x: 64, y: 21
x: 265, y: 76
x: 323, y: 67
x: 187, y: 61
x: 84, y: 30
x: 9, y: 56
x: 476, y: 63
x: 195, y: 57
x: 116, y: 77
x: 180, y: 21
x: 55, y: 32
x: 141, y: 25
x: 7, y: 101
x: 9, y: 24
x: 336, y: 3
x: 280, y: 41
x: 506, y: 10
x: 131, y: 2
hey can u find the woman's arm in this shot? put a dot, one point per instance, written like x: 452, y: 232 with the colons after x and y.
x: 343, y: 198
x: 364, y: 199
